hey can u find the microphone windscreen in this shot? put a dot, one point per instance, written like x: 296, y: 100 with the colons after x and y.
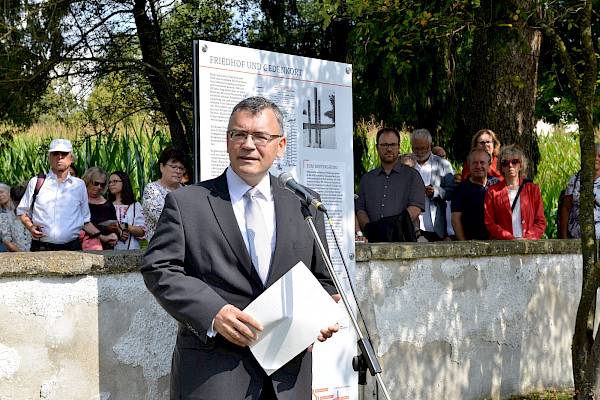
x: 283, y: 178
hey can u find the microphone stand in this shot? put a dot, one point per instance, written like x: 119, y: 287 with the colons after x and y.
x: 367, y: 355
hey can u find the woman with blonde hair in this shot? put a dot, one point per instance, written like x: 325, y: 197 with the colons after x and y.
x: 101, y: 212
x: 513, y: 207
x: 485, y: 139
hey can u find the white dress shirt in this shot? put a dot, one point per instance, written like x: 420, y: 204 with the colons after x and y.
x: 61, y: 209
x: 425, y: 221
x: 237, y: 189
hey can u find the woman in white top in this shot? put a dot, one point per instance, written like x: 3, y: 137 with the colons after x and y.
x: 129, y: 212
x: 172, y: 163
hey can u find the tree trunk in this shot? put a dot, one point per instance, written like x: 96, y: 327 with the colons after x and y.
x: 503, y: 83
x: 585, y: 350
x: 158, y: 75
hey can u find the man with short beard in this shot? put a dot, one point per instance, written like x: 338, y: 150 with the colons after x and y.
x: 438, y: 177
x: 390, y: 189
x: 468, y: 200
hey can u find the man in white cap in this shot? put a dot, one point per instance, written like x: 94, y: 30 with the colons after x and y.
x: 60, y: 208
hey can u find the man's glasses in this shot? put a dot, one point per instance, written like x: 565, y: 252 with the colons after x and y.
x: 175, y: 167
x: 113, y: 182
x: 259, y: 138
x: 388, y: 145
x: 101, y: 184
x: 514, y: 161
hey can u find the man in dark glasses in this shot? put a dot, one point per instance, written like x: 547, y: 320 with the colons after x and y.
x: 54, y: 207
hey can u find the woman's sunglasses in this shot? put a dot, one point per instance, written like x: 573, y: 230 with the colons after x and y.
x: 101, y: 184
x: 514, y: 161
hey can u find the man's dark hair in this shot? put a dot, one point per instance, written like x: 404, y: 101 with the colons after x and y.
x: 256, y: 104
x: 385, y: 130
x: 173, y: 153
x: 74, y: 169
x: 127, y: 195
x: 17, y: 192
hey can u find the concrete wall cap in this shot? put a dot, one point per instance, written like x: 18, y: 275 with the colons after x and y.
x: 475, y: 248
x: 71, y: 263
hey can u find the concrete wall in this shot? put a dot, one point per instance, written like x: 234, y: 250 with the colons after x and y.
x: 451, y: 321
x: 485, y: 320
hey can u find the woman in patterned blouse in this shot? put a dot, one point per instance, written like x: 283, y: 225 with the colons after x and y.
x: 172, y: 164
x: 14, y: 234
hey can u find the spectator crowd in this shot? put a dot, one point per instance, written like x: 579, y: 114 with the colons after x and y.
x: 418, y: 197
x: 99, y: 211
x: 411, y: 197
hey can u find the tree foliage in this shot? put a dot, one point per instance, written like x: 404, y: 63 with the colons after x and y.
x: 119, y: 57
x: 31, y: 39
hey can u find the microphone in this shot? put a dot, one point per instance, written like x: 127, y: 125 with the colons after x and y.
x: 286, y: 181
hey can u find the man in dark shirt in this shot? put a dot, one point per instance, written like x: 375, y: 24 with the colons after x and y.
x: 391, y: 188
x: 469, y: 196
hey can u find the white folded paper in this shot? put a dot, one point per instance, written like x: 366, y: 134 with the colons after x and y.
x: 292, y: 311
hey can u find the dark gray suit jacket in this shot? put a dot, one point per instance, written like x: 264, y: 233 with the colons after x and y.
x: 197, y: 263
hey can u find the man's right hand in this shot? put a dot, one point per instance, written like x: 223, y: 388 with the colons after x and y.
x: 37, y: 231
x: 233, y: 324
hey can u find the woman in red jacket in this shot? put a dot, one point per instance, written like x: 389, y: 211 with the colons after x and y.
x: 513, y: 207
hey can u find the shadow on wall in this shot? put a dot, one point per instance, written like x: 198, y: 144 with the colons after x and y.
x: 136, y: 340
x: 471, y: 328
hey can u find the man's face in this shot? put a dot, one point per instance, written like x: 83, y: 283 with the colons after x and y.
x: 60, y: 161
x: 480, y: 165
x: 387, y: 147
x: 421, y: 148
x: 250, y: 161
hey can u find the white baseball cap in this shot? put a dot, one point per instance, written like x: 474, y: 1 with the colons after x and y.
x: 60, y: 145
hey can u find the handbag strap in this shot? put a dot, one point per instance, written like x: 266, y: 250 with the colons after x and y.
x: 518, y: 194
x: 129, y: 238
x: 38, y: 185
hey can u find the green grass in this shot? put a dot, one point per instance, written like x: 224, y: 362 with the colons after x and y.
x: 560, y: 158
x: 564, y: 394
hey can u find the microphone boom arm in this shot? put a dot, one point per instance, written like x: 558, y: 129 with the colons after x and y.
x: 368, y: 354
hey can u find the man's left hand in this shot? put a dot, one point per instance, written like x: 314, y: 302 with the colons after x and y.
x: 429, y: 190
x: 327, y: 333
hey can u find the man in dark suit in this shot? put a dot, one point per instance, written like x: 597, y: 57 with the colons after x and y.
x: 199, y: 266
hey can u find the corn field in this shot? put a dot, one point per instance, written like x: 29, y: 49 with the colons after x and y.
x: 133, y: 147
